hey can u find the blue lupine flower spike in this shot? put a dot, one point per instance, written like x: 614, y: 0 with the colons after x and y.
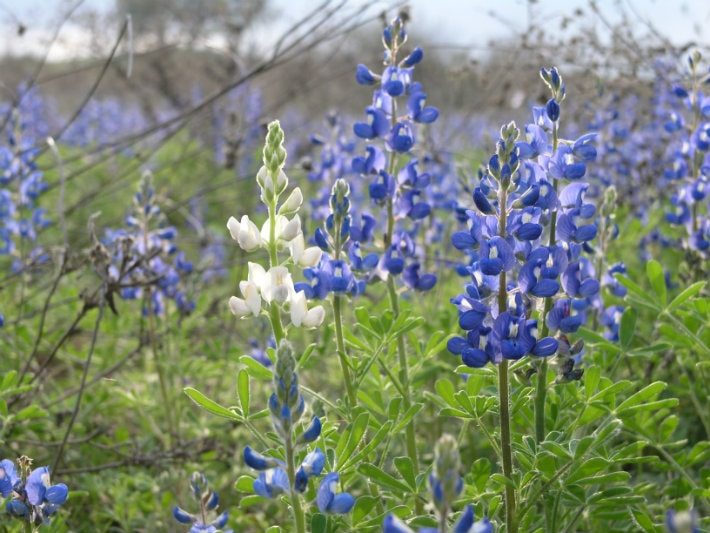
x: 33, y: 497
x: 206, y: 518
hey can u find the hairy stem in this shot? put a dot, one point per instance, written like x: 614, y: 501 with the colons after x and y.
x: 298, y: 515
x: 503, y: 385
x: 274, y: 314
x: 342, y: 354
x: 541, y: 386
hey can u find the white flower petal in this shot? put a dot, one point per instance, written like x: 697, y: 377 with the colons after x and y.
x: 290, y: 230
x: 314, y: 317
x: 298, y: 308
x: 238, y: 307
x: 249, y: 238
x: 233, y: 227
x: 293, y: 202
x: 310, y: 257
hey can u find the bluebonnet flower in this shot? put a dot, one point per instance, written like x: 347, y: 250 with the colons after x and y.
x: 334, y: 274
x: 395, y: 125
x: 331, y: 502
x: 566, y: 315
x: 287, y: 406
x: 145, y: 261
x: 22, y: 183
x: 611, y: 320
x: 611, y: 283
x: 446, y: 485
x: 33, y: 496
x: 208, y: 501
x: 103, y: 120
x: 687, y: 162
x: 494, y: 334
x: 526, y: 234
x: 682, y: 522
x: 465, y: 524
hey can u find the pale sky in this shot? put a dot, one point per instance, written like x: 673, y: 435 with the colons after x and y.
x: 455, y: 23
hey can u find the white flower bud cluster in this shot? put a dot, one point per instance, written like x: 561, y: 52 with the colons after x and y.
x: 287, y: 233
x: 275, y: 285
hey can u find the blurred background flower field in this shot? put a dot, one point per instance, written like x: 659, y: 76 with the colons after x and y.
x: 354, y: 265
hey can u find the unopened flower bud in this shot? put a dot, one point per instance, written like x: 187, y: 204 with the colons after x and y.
x: 293, y: 203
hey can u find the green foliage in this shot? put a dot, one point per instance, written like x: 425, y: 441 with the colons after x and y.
x: 624, y: 444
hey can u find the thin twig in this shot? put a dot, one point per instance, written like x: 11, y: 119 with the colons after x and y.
x: 77, y: 405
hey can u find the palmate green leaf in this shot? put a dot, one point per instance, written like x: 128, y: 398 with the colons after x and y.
x: 243, y: 391
x: 636, y: 290
x: 605, y: 479
x: 362, y: 316
x: 436, y: 342
x: 446, y: 391
x: 594, y: 338
x: 581, y: 446
x: 408, y: 415
x: 643, y: 521
x: 363, y: 508
x: 405, y: 467
x: 678, y: 337
x: 587, y: 468
x: 502, y: 480
x: 686, y: 295
x: 382, y: 478
x: 649, y: 392
x: 351, y: 437
x: 30, y: 412
x: 627, y: 327
x: 456, y: 413
x: 649, y: 406
x: 384, y: 431
x: 481, y: 471
x: 591, y: 380
x: 546, y: 464
x: 464, y: 401
x: 555, y: 449
x: 8, y: 380
x: 611, y: 492
x: 354, y: 341
x: 210, y: 405
x: 609, y: 392
x: 657, y: 278
x: 306, y: 355
x: 255, y: 368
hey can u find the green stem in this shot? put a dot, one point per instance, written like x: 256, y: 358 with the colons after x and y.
x: 540, y: 397
x: 276, y: 325
x: 541, y: 387
x: 505, y: 445
x: 274, y: 314
x: 342, y: 355
x: 404, y: 381
x: 503, y: 385
x: 298, y: 515
x: 443, y: 525
x: 411, y: 443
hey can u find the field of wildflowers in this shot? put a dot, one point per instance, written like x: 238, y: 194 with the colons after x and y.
x: 388, y: 335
